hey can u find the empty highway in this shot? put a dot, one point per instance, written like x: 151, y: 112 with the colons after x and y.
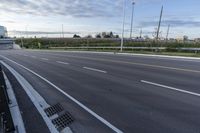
x: 127, y: 93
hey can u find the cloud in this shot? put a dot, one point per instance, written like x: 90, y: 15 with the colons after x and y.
x: 173, y: 23
x: 40, y: 32
x: 73, y: 8
x: 17, y: 32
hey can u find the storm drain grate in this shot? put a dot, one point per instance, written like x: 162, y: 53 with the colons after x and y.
x: 57, y: 108
x: 63, y: 121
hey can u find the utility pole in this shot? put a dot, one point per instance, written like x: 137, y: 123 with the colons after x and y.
x: 26, y: 31
x: 22, y: 43
x: 62, y: 31
x: 141, y: 33
x: 131, y: 31
x: 167, y: 32
x: 122, y: 38
x: 158, y: 30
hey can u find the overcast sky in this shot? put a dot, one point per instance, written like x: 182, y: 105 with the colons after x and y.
x: 89, y: 16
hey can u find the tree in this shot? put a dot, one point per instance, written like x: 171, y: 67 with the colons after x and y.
x: 146, y: 37
x: 107, y: 36
x: 111, y: 34
x: 98, y: 36
x: 185, y: 38
x: 116, y: 36
x: 76, y: 36
x: 103, y: 34
x: 88, y: 36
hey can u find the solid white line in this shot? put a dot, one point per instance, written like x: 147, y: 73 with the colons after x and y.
x: 171, y: 88
x: 44, y: 59
x: 184, y: 58
x: 93, y: 69
x: 70, y: 97
x: 33, y: 56
x: 128, y: 54
x: 60, y: 62
x: 132, y: 63
x: 36, y: 99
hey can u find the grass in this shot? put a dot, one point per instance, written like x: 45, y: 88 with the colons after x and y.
x: 172, y: 48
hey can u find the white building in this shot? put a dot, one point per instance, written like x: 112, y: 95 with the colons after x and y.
x: 3, y: 32
x: 5, y: 41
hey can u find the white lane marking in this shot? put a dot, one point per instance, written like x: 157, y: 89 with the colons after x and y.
x: 70, y: 97
x: 127, y: 54
x: 168, y: 57
x: 44, y: 59
x: 132, y: 63
x: 25, y: 55
x: 171, y: 88
x: 33, y: 56
x: 36, y: 99
x: 60, y: 62
x: 94, y: 69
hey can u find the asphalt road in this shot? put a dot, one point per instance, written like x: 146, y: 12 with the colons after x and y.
x: 136, y: 94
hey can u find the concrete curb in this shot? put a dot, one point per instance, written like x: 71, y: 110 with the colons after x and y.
x: 14, y: 108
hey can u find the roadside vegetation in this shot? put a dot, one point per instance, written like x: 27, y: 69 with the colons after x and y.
x: 170, y: 48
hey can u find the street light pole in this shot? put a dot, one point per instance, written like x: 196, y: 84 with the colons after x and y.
x: 122, y: 38
x: 158, y: 30
x: 133, y: 3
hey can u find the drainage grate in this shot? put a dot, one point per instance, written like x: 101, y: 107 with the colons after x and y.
x: 55, y: 109
x: 63, y: 121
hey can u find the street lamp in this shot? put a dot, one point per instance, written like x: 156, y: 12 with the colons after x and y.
x: 133, y: 3
x: 122, y: 38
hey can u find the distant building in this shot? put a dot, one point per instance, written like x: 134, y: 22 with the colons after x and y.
x: 3, y: 32
x: 5, y: 41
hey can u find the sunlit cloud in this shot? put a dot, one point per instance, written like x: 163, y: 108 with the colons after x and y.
x: 93, y: 16
x: 74, y: 8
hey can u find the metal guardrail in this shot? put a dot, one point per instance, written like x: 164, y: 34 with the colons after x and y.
x: 132, y: 48
x: 191, y: 49
x: 107, y: 47
x: 6, y: 122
